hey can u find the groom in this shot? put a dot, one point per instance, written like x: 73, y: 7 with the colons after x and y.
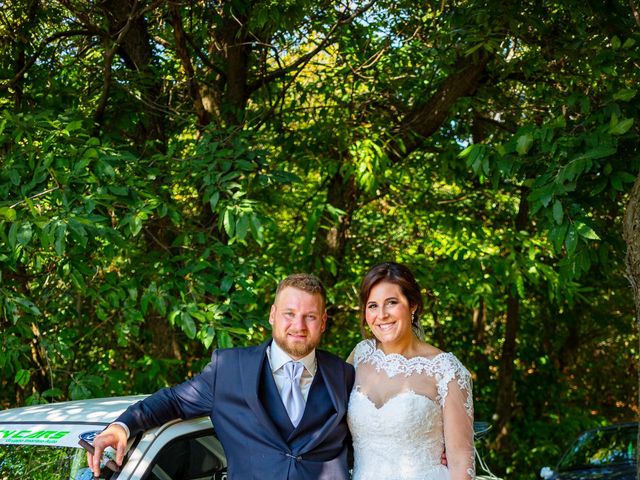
x: 279, y: 408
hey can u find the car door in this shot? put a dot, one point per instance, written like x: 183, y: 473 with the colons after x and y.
x: 183, y: 451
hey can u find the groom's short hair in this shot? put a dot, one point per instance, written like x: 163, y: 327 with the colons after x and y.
x: 305, y: 282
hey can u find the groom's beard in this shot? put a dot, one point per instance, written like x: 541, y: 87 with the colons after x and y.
x: 295, y: 348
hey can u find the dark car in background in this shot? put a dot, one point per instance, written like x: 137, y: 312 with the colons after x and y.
x: 605, y: 452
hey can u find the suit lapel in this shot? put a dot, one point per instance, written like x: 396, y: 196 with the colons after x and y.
x: 250, y: 373
x: 335, y: 382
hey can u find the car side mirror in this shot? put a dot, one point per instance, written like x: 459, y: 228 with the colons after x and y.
x: 546, y: 473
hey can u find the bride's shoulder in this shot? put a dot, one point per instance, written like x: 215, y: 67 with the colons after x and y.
x: 362, y: 350
x: 450, y: 364
x: 451, y: 372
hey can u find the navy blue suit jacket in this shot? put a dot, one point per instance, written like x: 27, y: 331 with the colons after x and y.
x: 256, y: 434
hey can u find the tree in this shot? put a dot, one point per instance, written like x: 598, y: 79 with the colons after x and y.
x: 165, y: 163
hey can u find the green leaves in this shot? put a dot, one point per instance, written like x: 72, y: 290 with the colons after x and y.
x: 73, y: 126
x: 477, y: 158
x: 60, y: 241
x: 620, y: 127
x: 557, y: 235
x: 9, y: 214
x: 22, y: 377
x: 187, y: 323
x: 24, y: 234
x: 625, y: 95
x: 558, y: 212
x: 84, y: 385
x: 524, y: 144
x: 370, y: 161
x: 229, y: 222
x: 206, y: 322
x: 571, y: 240
x: 148, y: 237
x: 586, y: 231
x: 242, y: 227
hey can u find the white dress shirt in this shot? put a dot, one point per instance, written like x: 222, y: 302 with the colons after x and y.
x: 278, y: 357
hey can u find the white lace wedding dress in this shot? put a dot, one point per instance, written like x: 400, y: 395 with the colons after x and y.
x: 404, y: 412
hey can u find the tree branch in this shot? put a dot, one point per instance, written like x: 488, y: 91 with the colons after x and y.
x: 303, y: 60
x: 185, y: 60
x: 635, y: 12
x: 203, y: 58
x: 108, y: 62
x: 426, y: 118
x: 29, y: 63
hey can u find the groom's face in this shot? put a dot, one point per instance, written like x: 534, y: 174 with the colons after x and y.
x: 298, y: 319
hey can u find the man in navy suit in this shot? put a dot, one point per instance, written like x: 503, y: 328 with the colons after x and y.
x: 273, y: 424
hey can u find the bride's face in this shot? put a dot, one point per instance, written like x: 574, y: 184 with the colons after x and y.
x: 388, y: 313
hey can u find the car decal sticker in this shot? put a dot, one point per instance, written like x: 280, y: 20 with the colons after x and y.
x: 60, y: 435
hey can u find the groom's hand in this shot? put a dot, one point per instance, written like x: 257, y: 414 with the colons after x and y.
x: 113, y: 436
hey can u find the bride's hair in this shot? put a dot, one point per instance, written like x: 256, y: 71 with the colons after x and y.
x: 400, y: 275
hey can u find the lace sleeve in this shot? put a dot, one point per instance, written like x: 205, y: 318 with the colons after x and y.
x: 455, y: 396
x: 363, y: 350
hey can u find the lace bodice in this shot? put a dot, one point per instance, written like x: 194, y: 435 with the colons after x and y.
x: 404, y: 412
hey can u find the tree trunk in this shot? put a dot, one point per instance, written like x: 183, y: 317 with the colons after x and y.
x: 233, y: 42
x: 479, y: 324
x: 187, y: 65
x: 135, y: 48
x: 136, y: 51
x: 631, y: 232
x: 22, y: 43
x: 504, y: 403
x: 506, y: 390
x: 479, y: 321
x: 342, y: 193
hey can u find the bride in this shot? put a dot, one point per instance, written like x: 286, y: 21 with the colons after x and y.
x: 410, y: 401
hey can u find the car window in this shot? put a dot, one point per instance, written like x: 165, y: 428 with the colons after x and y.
x: 191, y: 457
x: 603, y: 447
x: 45, y: 450
x: 39, y: 462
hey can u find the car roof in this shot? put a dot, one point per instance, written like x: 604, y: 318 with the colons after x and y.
x: 93, y: 410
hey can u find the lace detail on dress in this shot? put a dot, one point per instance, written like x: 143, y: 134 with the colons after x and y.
x: 444, y: 367
x: 402, y: 439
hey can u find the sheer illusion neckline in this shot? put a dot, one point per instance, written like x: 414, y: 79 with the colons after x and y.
x: 395, y: 363
x: 381, y: 353
x: 397, y: 396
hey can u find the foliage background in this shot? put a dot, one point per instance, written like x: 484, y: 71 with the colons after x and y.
x: 164, y: 164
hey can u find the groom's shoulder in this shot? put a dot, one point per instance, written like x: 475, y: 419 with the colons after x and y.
x: 235, y: 350
x: 240, y: 352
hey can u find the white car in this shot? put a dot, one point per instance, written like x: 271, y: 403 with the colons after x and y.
x: 41, y: 442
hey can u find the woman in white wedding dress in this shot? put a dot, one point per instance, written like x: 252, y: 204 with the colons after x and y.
x: 410, y: 401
